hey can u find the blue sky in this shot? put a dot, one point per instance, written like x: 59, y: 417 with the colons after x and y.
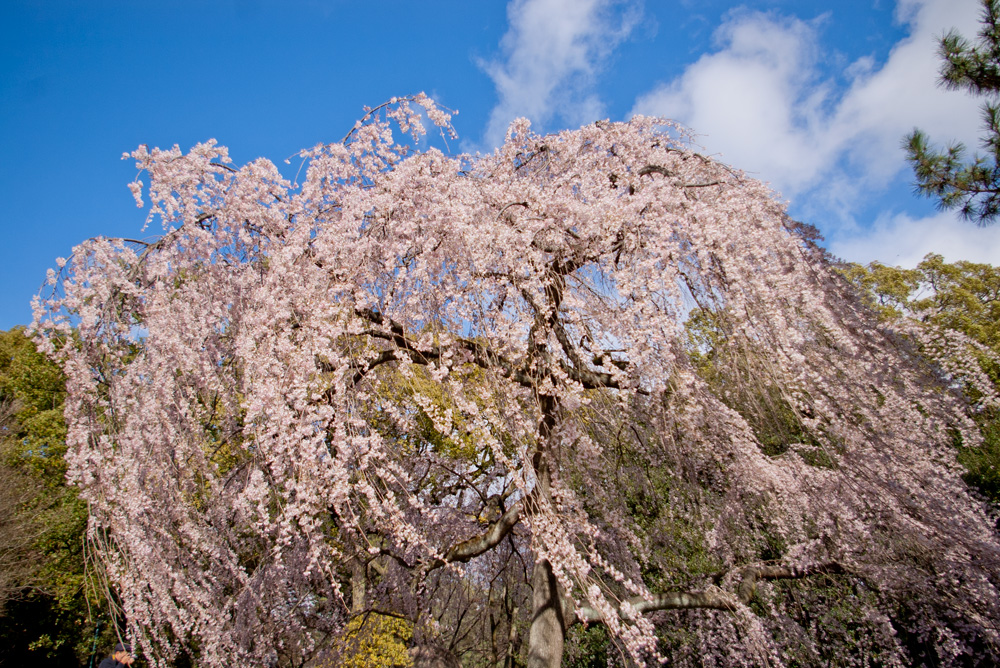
x: 812, y: 97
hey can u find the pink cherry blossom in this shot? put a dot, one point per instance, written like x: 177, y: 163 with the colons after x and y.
x: 466, y: 390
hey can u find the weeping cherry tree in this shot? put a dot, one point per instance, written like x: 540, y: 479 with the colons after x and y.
x: 413, y: 376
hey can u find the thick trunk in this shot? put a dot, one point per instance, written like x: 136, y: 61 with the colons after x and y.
x: 548, y: 622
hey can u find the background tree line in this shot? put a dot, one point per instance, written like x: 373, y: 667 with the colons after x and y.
x: 52, y: 601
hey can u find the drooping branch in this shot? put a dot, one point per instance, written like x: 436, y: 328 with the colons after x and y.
x: 718, y: 599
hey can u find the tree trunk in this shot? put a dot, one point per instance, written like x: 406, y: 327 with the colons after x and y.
x: 548, y: 622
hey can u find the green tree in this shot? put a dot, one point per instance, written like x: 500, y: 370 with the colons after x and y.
x: 48, y: 612
x: 972, y: 186
x: 962, y: 297
x: 886, y: 289
x: 18, y: 529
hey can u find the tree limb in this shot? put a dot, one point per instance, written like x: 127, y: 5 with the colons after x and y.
x: 654, y: 169
x: 477, y: 545
x: 711, y: 599
x: 657, y: 169
x: 752, y: 574
x: 717, y: 599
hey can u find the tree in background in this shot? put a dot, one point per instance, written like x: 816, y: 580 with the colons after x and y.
x: 971, y: 186
x: 963, y: 297
x: 18, y: 529
x: 464, y: 392
x: 48, y: 609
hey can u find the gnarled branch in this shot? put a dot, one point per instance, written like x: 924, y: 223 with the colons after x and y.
x: 483, y: 356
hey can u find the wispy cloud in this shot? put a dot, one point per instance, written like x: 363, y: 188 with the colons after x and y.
x: 551, y: 54
x: 761, y: 101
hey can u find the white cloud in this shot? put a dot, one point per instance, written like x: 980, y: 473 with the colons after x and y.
x: 760, y: 100
x: 887, y: 103
x: 755, y: 100
x: 909, y: 240
x: 551, y: 54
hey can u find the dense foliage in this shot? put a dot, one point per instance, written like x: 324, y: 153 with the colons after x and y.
x: 592, y: 378
x: 49, y: 609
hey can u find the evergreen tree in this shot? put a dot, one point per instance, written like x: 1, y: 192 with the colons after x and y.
x: 972, y: 186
